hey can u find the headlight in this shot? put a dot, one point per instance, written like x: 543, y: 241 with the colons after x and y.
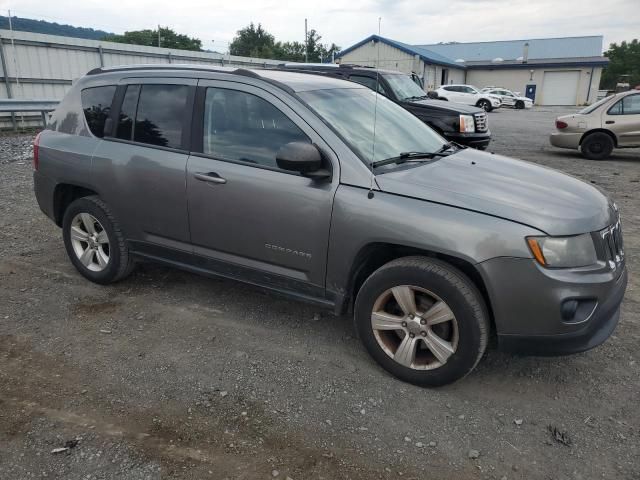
x: 467, y: 124
x: 563, y: 252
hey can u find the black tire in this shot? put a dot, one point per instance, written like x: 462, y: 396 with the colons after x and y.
x: 519, y: 105
x: 453, y: 288
x: 120, y: 263
x: 485, y: 105
x: 597, y: 146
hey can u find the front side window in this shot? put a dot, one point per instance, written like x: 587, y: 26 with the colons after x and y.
x: 243, y: 127
x: 352, y: 113
x: 96, y: 105
x: 160, y: 115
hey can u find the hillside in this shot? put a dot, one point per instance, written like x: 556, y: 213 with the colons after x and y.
x: 51, y: 28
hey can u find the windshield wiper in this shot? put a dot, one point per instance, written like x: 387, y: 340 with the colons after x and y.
x: 421, y: 97
x: 411, y: 156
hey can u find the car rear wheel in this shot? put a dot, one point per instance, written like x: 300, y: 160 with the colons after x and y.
x: 94, y: 242
x: 597, y: 146
x: 422, y: 320
x: 485, y: 105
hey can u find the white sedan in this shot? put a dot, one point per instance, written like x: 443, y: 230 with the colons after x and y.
x: 509, y: 98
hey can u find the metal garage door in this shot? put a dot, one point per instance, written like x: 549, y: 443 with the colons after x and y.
x: 560, y: 88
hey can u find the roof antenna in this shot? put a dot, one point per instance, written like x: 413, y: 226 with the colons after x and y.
x: 375, y: 112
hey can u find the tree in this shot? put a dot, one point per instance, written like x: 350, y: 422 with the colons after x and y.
x: 253, y: 41
x: 168, y: 39
x: 624, y: 59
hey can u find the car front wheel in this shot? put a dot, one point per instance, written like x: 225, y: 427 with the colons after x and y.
x: 485, y: 105
x: 94, y: 242
x: 422, y: 320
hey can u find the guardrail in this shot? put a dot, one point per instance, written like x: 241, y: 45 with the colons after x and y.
x: 13, y: 105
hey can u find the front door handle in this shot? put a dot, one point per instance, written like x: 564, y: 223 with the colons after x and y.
x: 211, y: 177
x: 609, y: 122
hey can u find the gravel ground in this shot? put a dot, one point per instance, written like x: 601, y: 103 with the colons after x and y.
x: 171, y: 375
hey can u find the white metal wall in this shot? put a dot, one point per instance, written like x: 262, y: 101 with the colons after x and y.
x: 518, y: 78
x: 392, y: 58
x: 44, y: 66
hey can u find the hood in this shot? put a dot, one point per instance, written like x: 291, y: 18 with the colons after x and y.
x: 540, y: 197
x: 445, y: 106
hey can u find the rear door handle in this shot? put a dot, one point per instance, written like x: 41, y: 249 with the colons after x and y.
x: 211, y: 177
x: 609, y: 122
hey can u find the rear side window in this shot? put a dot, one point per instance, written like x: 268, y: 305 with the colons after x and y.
x: 368, y: 82
x: 160, y: 115
x: 243, y: 127
x: 153, y: 114
x: 96, y: 105
x: 629, y: 105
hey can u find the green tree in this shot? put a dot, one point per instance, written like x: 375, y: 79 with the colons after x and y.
x: 253, y: 41
x: 624, y: 59
x: 168, y: 39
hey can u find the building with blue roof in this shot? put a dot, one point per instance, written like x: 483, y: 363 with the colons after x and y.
x: 552, y: 71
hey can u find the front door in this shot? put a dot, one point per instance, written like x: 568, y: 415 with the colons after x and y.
x: 246, y: 214
x: 623, y: 119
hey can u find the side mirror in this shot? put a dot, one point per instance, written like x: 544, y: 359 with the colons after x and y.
x: 302, y: 157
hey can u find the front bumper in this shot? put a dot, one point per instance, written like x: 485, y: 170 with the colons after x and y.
x: 527, y: 303
x: 475, y: 140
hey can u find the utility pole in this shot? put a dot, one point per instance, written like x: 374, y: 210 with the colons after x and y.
x: 306, y: 42
x: 159, y: 37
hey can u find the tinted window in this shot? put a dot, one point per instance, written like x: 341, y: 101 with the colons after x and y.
x: 368, y: 82
x: 96, y: 104
x: 160, y: 115
x: 128, y: 113
x: 241, y: 126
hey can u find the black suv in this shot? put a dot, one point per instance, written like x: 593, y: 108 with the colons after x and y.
x: 463, y: 124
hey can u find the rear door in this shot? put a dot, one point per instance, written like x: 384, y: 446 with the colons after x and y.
x: 623, y: 119
x: 248, y: 217
x: 140, y: 166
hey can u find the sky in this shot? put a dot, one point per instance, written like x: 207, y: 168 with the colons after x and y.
x: 347, y: 22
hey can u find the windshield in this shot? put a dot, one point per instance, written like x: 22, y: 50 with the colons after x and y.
x: 592, y: 107
x: 403, y: 86
x: 350, y: 112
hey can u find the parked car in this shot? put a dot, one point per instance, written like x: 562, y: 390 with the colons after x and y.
x: 509, y: 98
x: 613, y: 122
x: 463, y: 124
x: 469, y: 95
x: 272, y: 178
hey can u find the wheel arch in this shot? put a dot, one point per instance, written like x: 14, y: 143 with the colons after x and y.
x: 600, y: 130
x: 63, y: 195
x: 374, y: 255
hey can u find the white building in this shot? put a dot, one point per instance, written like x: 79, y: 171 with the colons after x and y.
x: 551, y: 71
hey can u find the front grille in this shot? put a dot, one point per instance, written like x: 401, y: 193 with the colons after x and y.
x: 482, y: 125
x: 612, y: 242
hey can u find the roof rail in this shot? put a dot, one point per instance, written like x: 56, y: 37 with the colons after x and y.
x: 199, y: 68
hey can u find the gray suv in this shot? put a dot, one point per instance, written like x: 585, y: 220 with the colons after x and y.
x: 321, y: 189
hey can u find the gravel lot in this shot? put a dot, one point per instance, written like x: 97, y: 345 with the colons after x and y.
x: 171, y: 375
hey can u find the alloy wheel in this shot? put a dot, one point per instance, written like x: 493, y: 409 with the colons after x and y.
x: 414, y: 327
x: 90, y: 242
